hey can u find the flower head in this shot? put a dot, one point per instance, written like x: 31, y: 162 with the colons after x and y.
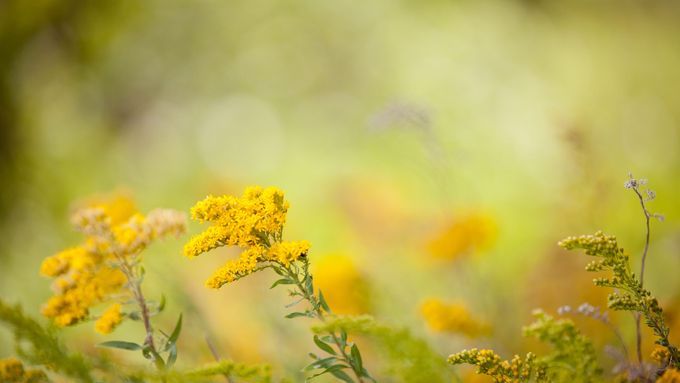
x: 453, y: 318
x: 91, y: 274
x: 253, y: 222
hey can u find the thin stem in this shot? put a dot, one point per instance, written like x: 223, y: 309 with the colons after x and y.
x: 136, y: 288
x: 318, y: 313
x: 217, y: 357
x: 638, y: 330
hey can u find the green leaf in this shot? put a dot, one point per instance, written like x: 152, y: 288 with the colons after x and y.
x: 296, y: 314
x: 121, y: 345
x: 135, y: 315
x: 172, y: 356
x: 282, y: 281
x: 341, y: 375
x: 309, y: 284
x: 161, y: 305
x: 324, y: 346
x: 356, y: 357
x: 321, y: 363
x: 175, y: 333
x: 323, y: 303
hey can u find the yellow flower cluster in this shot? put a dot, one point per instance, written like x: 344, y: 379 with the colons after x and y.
x: 110, y: 319
x: 463, y: 236
x: 344, y: 287
x: 453, y: 318
x: 670, y: 376
x: 517, y: 370
x: 90, y: 274
x: 12, y: 371
x: 254, y: 222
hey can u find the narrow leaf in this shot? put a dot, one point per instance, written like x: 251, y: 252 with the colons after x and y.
x: 324, y: 346
x: 121, y: 345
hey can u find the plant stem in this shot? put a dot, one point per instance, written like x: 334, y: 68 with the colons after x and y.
x: 318, y: 313
x: 638, y: 330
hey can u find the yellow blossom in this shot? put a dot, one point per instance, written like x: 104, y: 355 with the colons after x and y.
x: 254, y: 222
x: 464, y: 235
x: 109, y: 320
x: 12, y: 370
x: 454, y: 318
x: 235, y: 269
x: 288, y: 252
x: 343, y: 285
x: 255, y: 219
x: 89, y: 274
x: 671, y: 375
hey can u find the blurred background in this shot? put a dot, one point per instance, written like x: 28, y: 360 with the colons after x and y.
x: 429, y: 149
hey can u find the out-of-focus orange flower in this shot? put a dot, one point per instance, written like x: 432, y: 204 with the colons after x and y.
x: 454, y: 318
x: 345, y: 288
x: 464, y: 235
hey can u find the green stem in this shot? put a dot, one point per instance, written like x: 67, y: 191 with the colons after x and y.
x: 318, y: 313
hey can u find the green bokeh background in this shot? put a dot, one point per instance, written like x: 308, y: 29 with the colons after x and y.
x: 532, y: 111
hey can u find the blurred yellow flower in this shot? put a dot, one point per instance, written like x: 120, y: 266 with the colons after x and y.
x: 12, y: 370
x: 462, y: 236
x: 343, y: 285
x: 670, y: 376
x: 452, y: 318
x: 91, y: 273
x: 109, y: 320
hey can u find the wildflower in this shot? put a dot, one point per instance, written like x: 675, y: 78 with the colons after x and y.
x: 489, y: 363
x: 98, y: 269
x: 464, y: 235
x: 109, y: 320
x: 454, y: 318
x: 254, y: 222
x: 343, y: 285
x: 12, y: 370
x: 671, y: 375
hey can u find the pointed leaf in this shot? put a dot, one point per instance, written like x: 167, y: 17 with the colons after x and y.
x: 324, y: 346
x: 121, y: 345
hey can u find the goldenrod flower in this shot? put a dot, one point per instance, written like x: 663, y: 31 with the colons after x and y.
x: 90, y: 274
x: 254, y: 222
x: 464, y: 235
x: 12, y: 370
x: 343, y: 285
x: 671, y: 375
x: 111, y: 318
x: 288, y: 252
x: 454, y: 318
x: 255, y: 219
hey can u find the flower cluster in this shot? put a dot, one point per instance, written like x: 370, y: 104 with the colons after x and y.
x: 13, y: 371
x: 516, y: 370
x: 454, y: 318
x: 629, y: 294
x: 464, y: 235
x: 254, y: 223
x: 99, y: 268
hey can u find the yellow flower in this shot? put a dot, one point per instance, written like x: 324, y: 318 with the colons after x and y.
x: 464, y: 235
x: 453, y: 318
x: 344, y: 287
x: 670, y: 376
x: 89, y: 274
x: 235, y: 269
x: 288, y: 252
x: 12, y: 370
x: 109, y: 320
x: 255, y: 219
x: 254, y: 222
